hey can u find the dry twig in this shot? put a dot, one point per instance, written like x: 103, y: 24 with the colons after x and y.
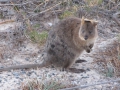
x: 84, y: 86
x: 7, y: 21
x: 47, y: 9
x: 16, y: 4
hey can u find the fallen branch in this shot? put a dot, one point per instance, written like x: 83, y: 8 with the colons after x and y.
x: 115, y: 17
x: 15, y: 4
x: 7, y: 21
x: 6, y: 0
x: 50, y: 8
x: 84, y: 86
x: 46, y: 10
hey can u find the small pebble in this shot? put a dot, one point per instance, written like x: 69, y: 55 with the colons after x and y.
x: 27, y: 58
x: 30, y: 73
x: 23, y: 72
x: 87, y: 69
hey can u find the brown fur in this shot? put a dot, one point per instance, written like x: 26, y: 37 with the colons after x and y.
x: 66, y: 41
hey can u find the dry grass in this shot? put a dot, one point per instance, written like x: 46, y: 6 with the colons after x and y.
x: 35, y: 84
x: 39, y: 38
x: 32, y: 85
x: 109, y: 58
x: 93, y: 2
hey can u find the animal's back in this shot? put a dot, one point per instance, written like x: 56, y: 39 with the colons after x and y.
x: 60, y: 48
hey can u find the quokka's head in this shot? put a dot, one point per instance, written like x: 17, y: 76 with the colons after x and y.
x: 88, y: 29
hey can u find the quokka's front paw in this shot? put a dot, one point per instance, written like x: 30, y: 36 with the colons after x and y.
x: 88, y: 50
x: 91, y: 46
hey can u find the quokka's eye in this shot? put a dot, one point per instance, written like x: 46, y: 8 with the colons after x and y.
x: 90, y: 32
x: 83, y: 31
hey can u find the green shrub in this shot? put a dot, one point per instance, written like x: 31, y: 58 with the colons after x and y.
x: 37, y: 37
x: 66, y: 14
x: 110, y: 70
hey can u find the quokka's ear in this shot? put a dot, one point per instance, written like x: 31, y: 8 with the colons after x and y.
x: 82, y: 20
x: 95, y: 23
x: 91, y: 21
x: 87, y: 21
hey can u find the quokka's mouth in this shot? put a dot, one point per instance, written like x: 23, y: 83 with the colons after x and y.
x: 86, y: 37
x: 82, y: 38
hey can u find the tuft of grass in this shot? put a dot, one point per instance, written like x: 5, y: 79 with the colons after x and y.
x: 94, y: 2
x: 110, y: 60
x: 1, y: 15
x: 32, y: 85
x: 16, y: 8
x: 36, y: 26
x: 38, y: 85
x: 69, y: 10
x: 110, y: 70
x: 91, y: 3
x: 37, y: 11
x: 64, y: 3
x: 118, y: 48
x: 87, y: 8
x: 37, y: 37
x: 100, y: 2
x: 53, y: 85
x: 118, y: 36
x: 66, y: 14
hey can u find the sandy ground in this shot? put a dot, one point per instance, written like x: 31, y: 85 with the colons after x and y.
x: 29, y: 53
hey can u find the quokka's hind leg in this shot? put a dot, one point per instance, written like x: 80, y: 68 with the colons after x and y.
x: 80, y: 61
x: 75, y: 70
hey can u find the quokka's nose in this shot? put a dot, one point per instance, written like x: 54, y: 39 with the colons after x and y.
x: 86, y: 37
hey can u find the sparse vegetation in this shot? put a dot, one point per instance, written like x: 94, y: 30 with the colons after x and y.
x: 32, y: 85
x: 118, y: 48
x: 41, y: 85
x: 53, y: 85
x: 36, y: 26
x: 109, y: 60
x: 1, y: 15
x: 33, y: 15
x: 66, y: 14
x: 37, y: 37
x: 110, y: 70
x: 94, y: 2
